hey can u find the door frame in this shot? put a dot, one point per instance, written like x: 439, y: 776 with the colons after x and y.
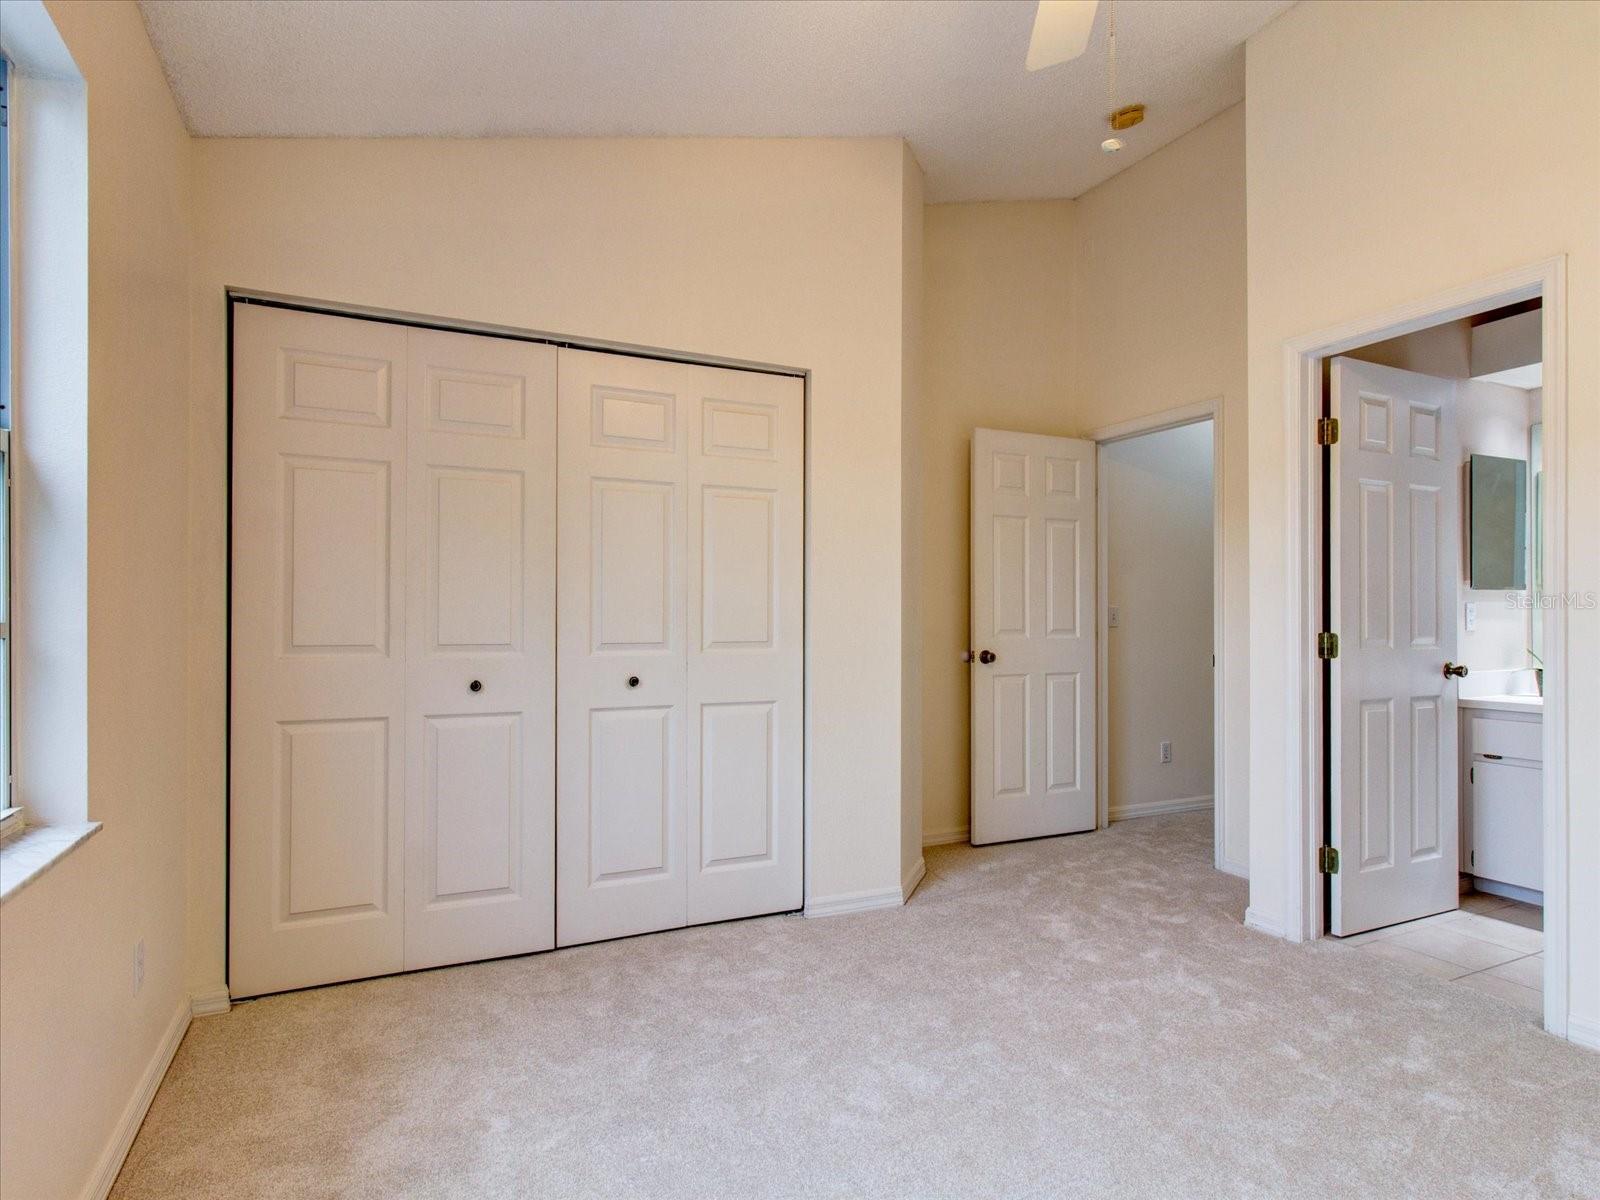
x: 1302, y: 694
x: 233, y: 295
x: 1173, y: 418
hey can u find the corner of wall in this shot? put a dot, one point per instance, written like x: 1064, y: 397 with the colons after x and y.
x: 66, y: 1120
x: 911, y: 548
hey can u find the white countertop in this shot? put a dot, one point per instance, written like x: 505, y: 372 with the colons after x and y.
x: 1516, y: 704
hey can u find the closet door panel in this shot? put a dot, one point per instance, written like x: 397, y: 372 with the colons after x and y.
x: 318, y: 630
x: 621, y: 650
x: 680, y: 626
x: 746, y: 629
x: 480, y: 698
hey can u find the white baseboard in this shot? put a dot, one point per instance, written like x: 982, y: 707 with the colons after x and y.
x: 210, y: 1002
x: 1583, y: 1033
x: 946, y: 837
x: 854, y: 902
x: 912, y: 877
x: 1254, y: 919
x: 105, y: 1172
x: 1507, y: 891
x: 1227, y: 865
x: 1152, y: 808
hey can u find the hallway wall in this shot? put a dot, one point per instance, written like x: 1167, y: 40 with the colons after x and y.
x: 1156, y: 497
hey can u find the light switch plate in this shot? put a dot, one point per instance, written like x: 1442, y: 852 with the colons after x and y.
x: 1113, y: 616
x: 1472, y: 615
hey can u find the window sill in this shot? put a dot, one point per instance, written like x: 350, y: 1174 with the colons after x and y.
x: 35, y: 850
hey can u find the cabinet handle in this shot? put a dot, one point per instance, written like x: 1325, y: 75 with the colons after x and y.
x: 1494, y: 757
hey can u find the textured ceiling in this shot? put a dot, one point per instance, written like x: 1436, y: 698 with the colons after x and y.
x: 946, y: 74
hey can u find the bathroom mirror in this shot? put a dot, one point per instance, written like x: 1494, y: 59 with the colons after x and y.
x: 1498, y: 491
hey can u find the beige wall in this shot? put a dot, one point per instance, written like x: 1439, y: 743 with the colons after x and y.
x: 997, y: 353
x: 1439, y: 165
x: 1160, y: 273
x: 912, y: 413
x: 787, y: 252
x: 74, y: 1039
x: 1155, y: 495
x: 1063, y: 317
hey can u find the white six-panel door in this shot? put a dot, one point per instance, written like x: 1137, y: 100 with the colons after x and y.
x: 317, y: 767
x: 480, y: 701
x: 1394, y: 538
x: 680, y: 634
x: 393, y: 541
x: 395, y: 726
x: 1033, y: 631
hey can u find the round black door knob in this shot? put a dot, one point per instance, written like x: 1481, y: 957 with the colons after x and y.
x: 986, y: 656
x: 476, y: 685
x: 633, y: 681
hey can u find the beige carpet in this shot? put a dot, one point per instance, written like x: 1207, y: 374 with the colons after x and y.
x: 1078, y: 1016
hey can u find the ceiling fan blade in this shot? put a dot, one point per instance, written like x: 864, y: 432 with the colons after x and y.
x: 1060, y: 31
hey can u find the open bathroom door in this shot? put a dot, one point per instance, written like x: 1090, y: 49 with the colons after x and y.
x: 1394, y: 555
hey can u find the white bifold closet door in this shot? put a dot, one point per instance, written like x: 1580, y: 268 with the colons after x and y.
x: 393, y: 611
x: 680, y: 629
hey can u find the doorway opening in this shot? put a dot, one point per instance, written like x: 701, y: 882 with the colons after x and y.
x: 1433, y: 699
x: 1426, y: 525
x: 1159, y: 615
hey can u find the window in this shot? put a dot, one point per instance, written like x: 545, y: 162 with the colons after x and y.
x: 44, y: 555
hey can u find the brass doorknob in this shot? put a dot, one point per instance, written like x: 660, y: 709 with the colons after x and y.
x: 1452, y: 671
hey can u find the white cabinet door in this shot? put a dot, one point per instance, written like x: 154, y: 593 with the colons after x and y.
x: 1507, y: 823
x: 1394, y: 550
x: 1033, y: 632
x: 480, y: 703
x: 317, y: 737
x: 679, y: 633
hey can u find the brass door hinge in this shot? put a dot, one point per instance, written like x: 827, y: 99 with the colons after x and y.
x: 1327, y: 860
x: 1327, y: 431
x: 1327, y: 645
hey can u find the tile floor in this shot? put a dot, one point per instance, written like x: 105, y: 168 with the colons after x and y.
x: 1490, y: 944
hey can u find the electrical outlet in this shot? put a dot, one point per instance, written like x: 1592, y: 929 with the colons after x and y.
x: 1472, y: 615
x: 138, y: 966
x: 1166, y: 752
x: 1113, y: 616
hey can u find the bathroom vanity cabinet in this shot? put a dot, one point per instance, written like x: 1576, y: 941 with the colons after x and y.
x: 1503, y: 748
